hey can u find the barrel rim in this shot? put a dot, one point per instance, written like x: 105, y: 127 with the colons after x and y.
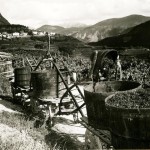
x: 22, y: 68
x: 40, y: 72
x: 138, y: 87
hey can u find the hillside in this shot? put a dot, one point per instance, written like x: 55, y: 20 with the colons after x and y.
x: 5, y: 26
x: 10, y: 28
x: 138, y: 36
x: 50, y: 28
x: 65, y: 44
x: 71, y: 30
x: 109, y: 27
x: 3, y: 21
x: 61, y: 30
x: 71, y: 25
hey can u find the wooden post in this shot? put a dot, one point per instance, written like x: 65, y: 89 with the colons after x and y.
x: 75, y: 76
x: 57, y: 89
x: 49, y: 43
x: 68, y: 79
x: 50, y: 114
x: 23, y: 62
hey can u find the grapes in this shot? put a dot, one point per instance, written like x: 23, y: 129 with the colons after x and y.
x: 131, y: 100
x: 136, y: 70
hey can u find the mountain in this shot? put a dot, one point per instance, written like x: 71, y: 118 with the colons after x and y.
x: 3, y: 21
x: 71, y: 25
x: 72, y: 28
x: 138, y: 36
x: 100, y: 30
x: 62, y: 30
x: 50, y: 28
x: 109, y: 27
x: 71, y: 31
x: 11, y: 28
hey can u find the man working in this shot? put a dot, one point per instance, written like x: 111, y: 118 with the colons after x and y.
x: 118, y: 68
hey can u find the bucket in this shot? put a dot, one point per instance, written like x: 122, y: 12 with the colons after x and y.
x: 130, y: 128
x: 95, y: 100
x: 22, y: 76
x: 112, y: 54
x: 44, y: 84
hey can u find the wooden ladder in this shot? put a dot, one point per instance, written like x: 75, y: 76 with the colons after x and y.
x: 32, y: 62
x: 69, y: 88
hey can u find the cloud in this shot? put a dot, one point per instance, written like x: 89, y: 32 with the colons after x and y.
x: 39, y: 12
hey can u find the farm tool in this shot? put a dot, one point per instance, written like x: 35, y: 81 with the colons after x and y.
x: 64, y: 92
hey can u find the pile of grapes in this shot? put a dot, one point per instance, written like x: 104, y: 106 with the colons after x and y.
x: 131, y: 100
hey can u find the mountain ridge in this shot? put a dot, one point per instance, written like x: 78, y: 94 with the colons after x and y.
x: 3, y: 21
x: 138, y: 36
x: 110, y: 27
x: 103, y: 29
x: 51, y: 28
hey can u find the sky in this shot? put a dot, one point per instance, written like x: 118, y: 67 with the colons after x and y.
x: 35, y: 13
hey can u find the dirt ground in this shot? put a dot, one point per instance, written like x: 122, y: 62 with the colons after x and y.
x: 63, y: 125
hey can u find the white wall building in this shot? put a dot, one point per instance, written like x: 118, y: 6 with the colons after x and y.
x: 41, y: 33
x: 51, y: 33
x: 23, y: 34
x: 16, y: 34
x: 35, y: 32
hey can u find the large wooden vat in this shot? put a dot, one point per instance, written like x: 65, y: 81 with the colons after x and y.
x: 129, y: 127
x: 95, y: 100
x: 44, y: 84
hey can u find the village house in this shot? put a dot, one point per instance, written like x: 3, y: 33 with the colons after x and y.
x: 9, y: 36
x: 23, y: 34
x: 52, y: 33
x: 4, y: 34
x: 34, y: 32
x: 16, y: 34
x: 41, y: 33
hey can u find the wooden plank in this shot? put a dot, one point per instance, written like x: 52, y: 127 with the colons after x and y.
x: 6, y: 72
x: 105, y: 137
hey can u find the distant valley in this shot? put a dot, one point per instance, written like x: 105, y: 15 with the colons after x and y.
x: 129, y: 31
x: 101, y: 30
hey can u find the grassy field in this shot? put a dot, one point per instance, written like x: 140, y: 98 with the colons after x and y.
x: 67, y: 45
x: 19, y: 131
x: 22, y: 133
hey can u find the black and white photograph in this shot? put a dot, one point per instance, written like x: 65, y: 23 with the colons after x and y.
x: 74, y: 74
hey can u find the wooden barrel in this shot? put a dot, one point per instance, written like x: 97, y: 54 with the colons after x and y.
x: 130, y: 128
x: 22, y: 76
x: 44, y: 84
x: 95, y: 100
